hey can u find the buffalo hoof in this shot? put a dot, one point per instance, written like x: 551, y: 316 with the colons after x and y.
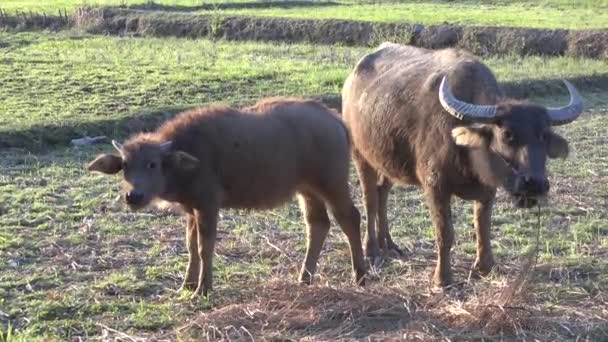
x: 360, y: 279
x: 391, y: 248
x: 200, y: 291
x: 442, y: 279
x: 372, y: 255
x: 187, y: 286
x: 483, y: 267
x: 375, y: 263
x: 306, y: 278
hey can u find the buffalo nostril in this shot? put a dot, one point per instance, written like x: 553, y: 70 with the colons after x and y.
x: 133, y: 197
x: 536, y: 186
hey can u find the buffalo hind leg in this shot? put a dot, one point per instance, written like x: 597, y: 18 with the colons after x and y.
x: 206, y: 222
x: 369, y: 186
x: 482, y: 219
x: 385, y: 240
x: 193, y: 269
x: 441, y: 216
x: 317, y: 225
x: 349, y: 220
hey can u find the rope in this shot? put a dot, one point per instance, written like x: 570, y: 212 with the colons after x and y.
x: 529, y: 264
x: 538, y: 216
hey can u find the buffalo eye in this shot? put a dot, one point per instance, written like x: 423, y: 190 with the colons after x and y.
x: 508, y: 136
x: 151, y: 165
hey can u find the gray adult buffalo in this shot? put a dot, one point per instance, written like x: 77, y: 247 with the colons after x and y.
x: 438, y: 120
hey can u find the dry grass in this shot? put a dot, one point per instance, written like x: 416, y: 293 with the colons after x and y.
x: 509, y: 308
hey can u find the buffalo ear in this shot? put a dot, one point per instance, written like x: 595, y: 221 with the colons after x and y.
x: 471, y: 136
x: 106, y: 163
x: 180, y: 160
x: 557, y: 146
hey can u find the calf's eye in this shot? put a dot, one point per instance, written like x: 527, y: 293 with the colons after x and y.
x: 508, y: 136
x: 151, y: 165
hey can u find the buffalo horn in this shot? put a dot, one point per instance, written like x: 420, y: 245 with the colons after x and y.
x: 461, y: 109
x: 568, y: 113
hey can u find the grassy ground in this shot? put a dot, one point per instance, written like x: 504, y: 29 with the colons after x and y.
x: 491, y: 13
x: 75, y: 263
x: 548, y: 13
x: 76, y: 80
x: 51, y: 6
x: 61, y: 86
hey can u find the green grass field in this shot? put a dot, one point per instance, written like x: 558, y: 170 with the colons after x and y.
x: 548, y: 13
x: 76, y: 84
x: 75, y: 263
x: 489, y: 13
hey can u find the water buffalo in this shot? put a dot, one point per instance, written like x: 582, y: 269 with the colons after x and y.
x: 438, y: 120
x: 257, y: 158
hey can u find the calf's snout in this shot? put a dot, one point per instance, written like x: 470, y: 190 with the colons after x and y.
x: 134, y: 197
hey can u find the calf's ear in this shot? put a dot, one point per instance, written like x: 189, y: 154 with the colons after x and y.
x: 471, y: 136
x: 180, y: 160
x: 557, y: 146
x: 106, y: 163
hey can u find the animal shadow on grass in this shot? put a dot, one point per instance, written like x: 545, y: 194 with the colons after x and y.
x: 152, y: 6
x: 43, y: 136
x: 40, y: 137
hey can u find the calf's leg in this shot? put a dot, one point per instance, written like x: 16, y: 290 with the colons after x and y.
x: 349, y: 219
x: 440, y: 210
x: 482, y: 219
x: 317, y: 225
x: 369, y: 180
x: 206, y: 221
x: 194, y: 265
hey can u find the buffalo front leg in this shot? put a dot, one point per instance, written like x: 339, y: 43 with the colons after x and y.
x: 482, y: 219
x: 194, y: 265
x: 441, y: 216
x: 317, y: 225
x: 385, y: 240
x: 369, y: 186
x: 206, y: 221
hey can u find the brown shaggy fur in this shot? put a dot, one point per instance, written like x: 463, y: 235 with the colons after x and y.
x: 402, y: 134
x: 255, y: 158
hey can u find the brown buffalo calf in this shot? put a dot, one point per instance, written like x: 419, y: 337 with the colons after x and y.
x: 217, y: 157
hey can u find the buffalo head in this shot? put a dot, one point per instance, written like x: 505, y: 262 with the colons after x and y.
x: 146, y: 167
x: 510, y: 141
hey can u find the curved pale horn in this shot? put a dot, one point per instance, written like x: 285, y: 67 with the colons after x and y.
x: 118, y: 147
x: 166, y: 146
x: 570, y: 112
x: 461, y: 109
